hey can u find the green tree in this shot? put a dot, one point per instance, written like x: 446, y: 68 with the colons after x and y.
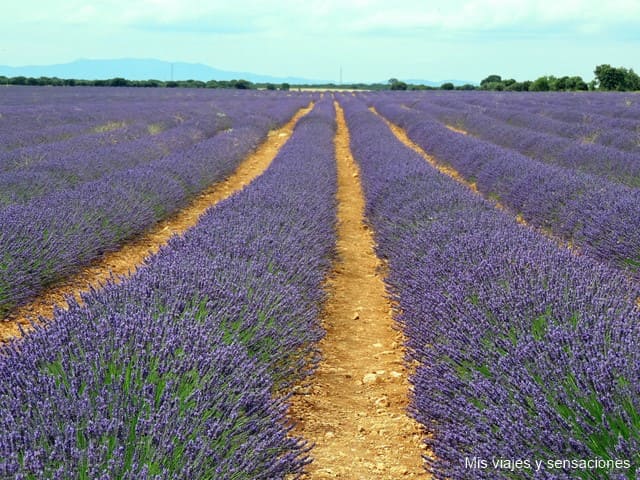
x: 610, y: 78
x: 517, y: 87
x: 491, y: 79
x: 541, y: 84
x: 576, y: 83
x: 285, y: 86
x: 18, y: 80
x: 118, y: 82
x: 562, y: 84
x: 395, y: 84
x: 631, y: 80
x: 447, y: 86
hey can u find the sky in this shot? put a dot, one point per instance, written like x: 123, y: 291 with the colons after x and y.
x: 369, y: 40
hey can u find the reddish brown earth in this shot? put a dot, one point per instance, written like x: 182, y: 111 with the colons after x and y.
x: 355, y: 409
x: 132, y: 254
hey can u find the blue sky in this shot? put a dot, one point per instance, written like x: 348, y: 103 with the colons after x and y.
x: 373, y: 40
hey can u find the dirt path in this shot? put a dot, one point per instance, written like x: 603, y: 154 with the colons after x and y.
x: 457, y: 130
x: 355, y: 409
x: 125, y: 260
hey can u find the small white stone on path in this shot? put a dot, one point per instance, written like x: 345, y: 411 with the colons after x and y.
x: 370, y: 378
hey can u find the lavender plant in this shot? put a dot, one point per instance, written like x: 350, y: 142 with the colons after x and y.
x: 595, y: 215
x: 576, y: 146
x: 46, y: 238
x: 527, y: 354
x: 181, y: 371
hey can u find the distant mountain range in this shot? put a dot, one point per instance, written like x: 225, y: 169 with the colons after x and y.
x: 146, y: 69
x: 141, y: 69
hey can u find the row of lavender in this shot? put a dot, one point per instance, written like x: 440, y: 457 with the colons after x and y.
x: 170, y: 374
x: 526, y: 353
x: 38, y: 115
x: 138, y: 132
x: 594, y: 214
x: 578, y: 119
x: 36, y: 171
x: 600, y: 110
x: 597, y: 111
x: 545, y: 139
x: 56, y: 234
x: 54, y: 117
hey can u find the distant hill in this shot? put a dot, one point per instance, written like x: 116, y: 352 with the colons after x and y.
x: 142, y: 69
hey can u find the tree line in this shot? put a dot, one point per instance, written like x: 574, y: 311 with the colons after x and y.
x: 123, y: 82
x: 607, y: 78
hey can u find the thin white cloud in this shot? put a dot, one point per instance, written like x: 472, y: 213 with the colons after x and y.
x: 487, y: 15
x: 327, y: 16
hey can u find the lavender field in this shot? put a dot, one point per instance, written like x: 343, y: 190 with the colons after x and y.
x: 519, y: 300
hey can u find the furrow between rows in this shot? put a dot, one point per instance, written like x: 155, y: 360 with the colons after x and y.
x: 354, y: 410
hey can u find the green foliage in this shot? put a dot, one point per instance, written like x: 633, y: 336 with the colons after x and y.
x: 395, y: 84
x: 545, y: 83
x: 491, y: 79
x: 285, y: 86
x: 447, y: 86
x: 18, y: 80
x: 541, y: 84
x: 612, y: 78
x: 575, y: 83
x: 632, y: 80
x: 519, y: 87
x: 609, y: 78
x: 420, y: 87
x: 241, y: 84
x: 118, y: 82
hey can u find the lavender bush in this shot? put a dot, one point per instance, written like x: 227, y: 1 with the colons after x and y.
x: 51, y: 236
x: 595, y: 215
x: 526, y: 352
x: 138, y: 134
x: 170, y: 374
x: 572, y: 145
